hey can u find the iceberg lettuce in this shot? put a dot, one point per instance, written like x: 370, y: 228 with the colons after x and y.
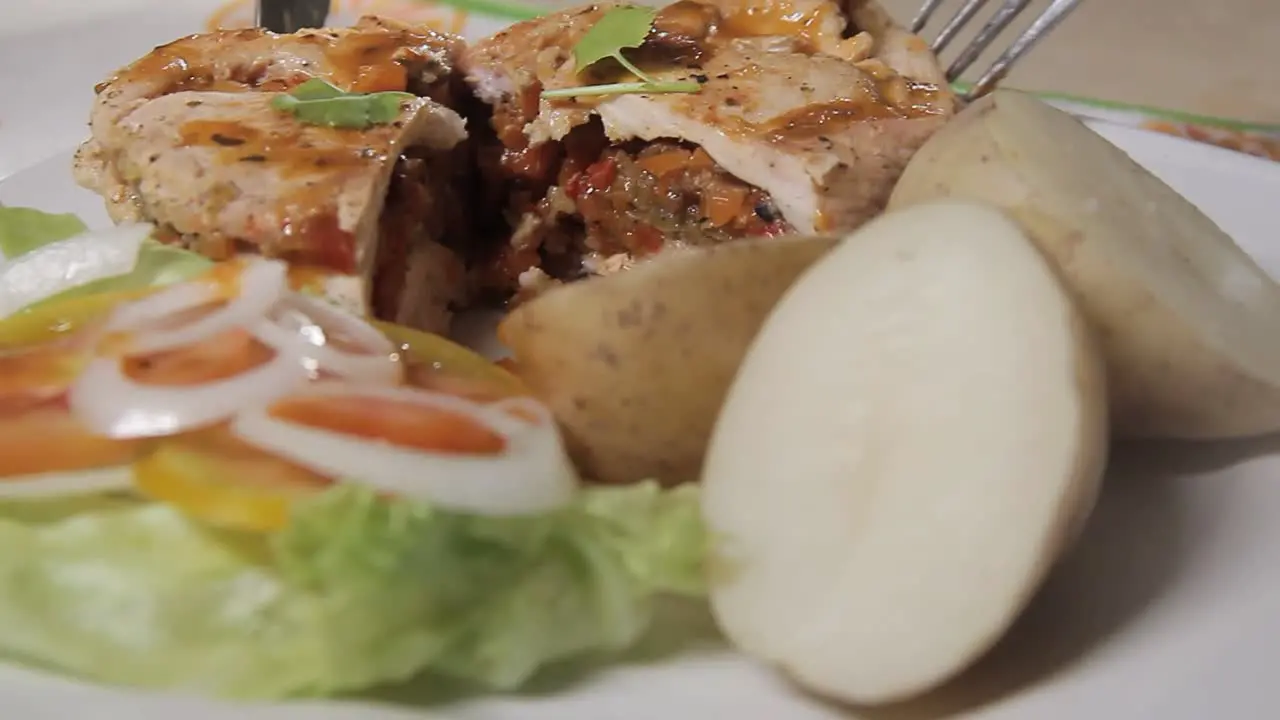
x: 48, y: 257
x: 357, y: 591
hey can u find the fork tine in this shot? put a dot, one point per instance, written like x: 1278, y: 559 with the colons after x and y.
x: 989, y: 32
x: 957, y: 21
x: 1048, y: 20
x: 922, y: 17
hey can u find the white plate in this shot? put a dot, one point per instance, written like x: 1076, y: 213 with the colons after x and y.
x: 1169, y: 609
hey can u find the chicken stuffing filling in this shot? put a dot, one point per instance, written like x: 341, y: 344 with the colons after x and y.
x: 583, y: 205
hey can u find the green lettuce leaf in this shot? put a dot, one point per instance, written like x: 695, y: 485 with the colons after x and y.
x: 356, y: 592
x: 24, y: 229
x: 157, y: 264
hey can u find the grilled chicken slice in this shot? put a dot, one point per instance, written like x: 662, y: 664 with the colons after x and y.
x: 187, y: 138
x: 805, y: 119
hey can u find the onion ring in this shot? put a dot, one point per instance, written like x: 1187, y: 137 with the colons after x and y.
x: 531, y: 475
x: 262, y: 284
x: 302, y: 326
x: 109, y: 403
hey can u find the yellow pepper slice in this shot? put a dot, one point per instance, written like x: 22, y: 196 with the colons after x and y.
x: 212, y: 476
x: 45, y: 323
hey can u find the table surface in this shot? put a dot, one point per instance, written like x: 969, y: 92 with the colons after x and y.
x: 1213, y: 57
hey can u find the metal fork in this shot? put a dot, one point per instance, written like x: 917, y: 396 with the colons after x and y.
x: 1004, y: 15
x: 289, y: 16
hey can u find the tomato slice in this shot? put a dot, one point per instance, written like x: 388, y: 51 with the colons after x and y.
x: 46, y: 438
x: 398, y: 423
x: 38, y: 374
x: 214, y: 477
x: 38, y: 433
x: 41, y: 355
x: 216, y: 358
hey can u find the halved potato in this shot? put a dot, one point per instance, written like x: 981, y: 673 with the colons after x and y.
x: 1188, y: 323
x: 635, y: 365
x: 917, y: 432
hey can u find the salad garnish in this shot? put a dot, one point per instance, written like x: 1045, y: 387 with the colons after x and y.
x: 49, y: 258
x: 25, y: 229
x: 226, y: 486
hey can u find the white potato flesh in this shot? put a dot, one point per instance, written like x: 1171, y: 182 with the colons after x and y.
x: 1188, y: 323
x: 913, y: 437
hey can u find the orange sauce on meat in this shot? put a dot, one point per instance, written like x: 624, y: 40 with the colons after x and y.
x: 774, y: 18
x: 369, y: 60
x: 297, y: 150
x: 366, y: 62
x: 813, y: 120
x: 822, y: 222
x: 310, y: 223
x: 179, y: 64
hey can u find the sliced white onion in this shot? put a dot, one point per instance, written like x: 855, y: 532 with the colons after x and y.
x: 531, y: 475
x: 168, y: 302
x: 302, y: 326
x: 109, y: 403
x: 262, y: 284
x: 67, y: 483
x: 56, y: 267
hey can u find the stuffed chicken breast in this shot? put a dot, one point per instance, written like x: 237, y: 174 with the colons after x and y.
x: 191, y: 138
x: 803, y: 116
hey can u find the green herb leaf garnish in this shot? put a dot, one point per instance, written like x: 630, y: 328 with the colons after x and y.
x: 621, y: 28
x: 317, y: 89
x: 317, y: 102
x: 618, y: 29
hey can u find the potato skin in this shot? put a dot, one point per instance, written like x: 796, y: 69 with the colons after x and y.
x: 636, y: 365
x: 1095, y: 429
x: 1100, y: 218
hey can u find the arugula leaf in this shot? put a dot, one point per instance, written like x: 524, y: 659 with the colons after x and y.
x: 621, y: 28
x: 25, y: 229
x: 317, y: 102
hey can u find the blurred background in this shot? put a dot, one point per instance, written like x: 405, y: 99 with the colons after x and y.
x: 1210, y: 57
x: 1215, y: 57
x: 1218, y: 58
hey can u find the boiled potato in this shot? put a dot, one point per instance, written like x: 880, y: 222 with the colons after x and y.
x: 918, y: 430
x: 1188, y: 323
x: 635, y: 365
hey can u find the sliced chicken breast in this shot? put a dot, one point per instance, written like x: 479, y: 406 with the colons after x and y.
x: 187, y: 138
x: 804, y: 119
